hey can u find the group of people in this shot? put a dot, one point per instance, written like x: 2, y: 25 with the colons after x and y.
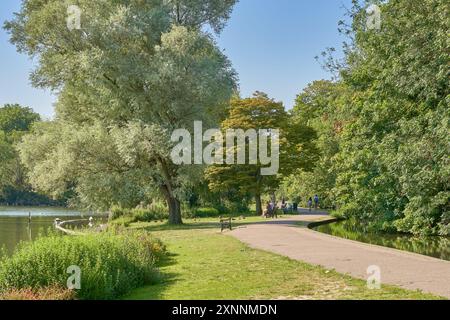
x: 316, y: 202
x: 270, y: 210
x: 271, y: 207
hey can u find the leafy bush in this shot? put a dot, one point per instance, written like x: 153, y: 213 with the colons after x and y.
x: 383, y: 127
x: 124, y: 222
x: 237, y: 207
x: 111, y: 263
x: 117, y: 212
x: 124, y: 217
x: 187, y: 211
x: 206, y: 212
x: 153, y: 212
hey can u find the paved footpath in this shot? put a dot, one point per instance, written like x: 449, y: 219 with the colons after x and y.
x: 400, y: 268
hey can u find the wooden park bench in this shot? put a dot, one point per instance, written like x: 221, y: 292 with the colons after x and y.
x: 225, y: 223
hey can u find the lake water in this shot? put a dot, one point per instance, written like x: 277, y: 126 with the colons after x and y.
x: 438, y: 247
x: 14, y: 226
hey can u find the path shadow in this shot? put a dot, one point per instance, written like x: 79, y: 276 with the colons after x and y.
x: 313, y: 212
x: 292, y: 221
x: 237, y: 222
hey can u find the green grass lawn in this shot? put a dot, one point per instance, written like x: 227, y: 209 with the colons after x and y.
x: 205, y: 264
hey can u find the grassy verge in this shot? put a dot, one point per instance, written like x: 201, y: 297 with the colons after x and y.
x: 204, y: 264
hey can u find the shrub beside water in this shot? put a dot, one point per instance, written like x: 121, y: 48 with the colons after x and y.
x: 117, y: 212
x: 154, y: 212
x: 157, y: 212
x: 111, y: 263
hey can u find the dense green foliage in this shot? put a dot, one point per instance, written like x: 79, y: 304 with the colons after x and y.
x: 15, y: 121
x: 111, y: 263
x: 206, y: 212
x: 383, y: 126
x: 296, y: 149
x: 153, y: 212
x: 133, y: 73
x: 226, y: 201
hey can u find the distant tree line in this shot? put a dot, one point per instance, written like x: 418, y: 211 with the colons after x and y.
x: 15, y: 122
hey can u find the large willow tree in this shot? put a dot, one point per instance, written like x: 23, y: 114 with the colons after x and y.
x: 133, y: 72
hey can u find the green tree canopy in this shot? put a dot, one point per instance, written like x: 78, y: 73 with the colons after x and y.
x: 14, y: 117
x: 15, y: 121
x: 383, y: 126
x: 133, y: 72
x: 296, y: 149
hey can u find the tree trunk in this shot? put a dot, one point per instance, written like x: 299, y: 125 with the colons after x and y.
x: 259, y: 210
x: 174, y: 206
x: 258, y: 204
x: 174, y: 211
x: 172, y: 202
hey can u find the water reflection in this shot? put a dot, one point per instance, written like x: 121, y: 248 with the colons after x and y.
x: 438, y: 247
x: 15, y: 226
x: 11, y: 211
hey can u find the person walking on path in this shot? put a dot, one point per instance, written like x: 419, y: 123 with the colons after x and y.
x: 309, y: 203
x: 266, y: 212
x: 295, y: 206
x: 284, y: 206
x: 316, y: 202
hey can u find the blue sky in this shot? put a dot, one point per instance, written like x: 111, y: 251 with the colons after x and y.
x: 272, y: 44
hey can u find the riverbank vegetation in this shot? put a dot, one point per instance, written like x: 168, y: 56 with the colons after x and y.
x: 383, y: 125
x: 110, y: 264
x: 15, y: 122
